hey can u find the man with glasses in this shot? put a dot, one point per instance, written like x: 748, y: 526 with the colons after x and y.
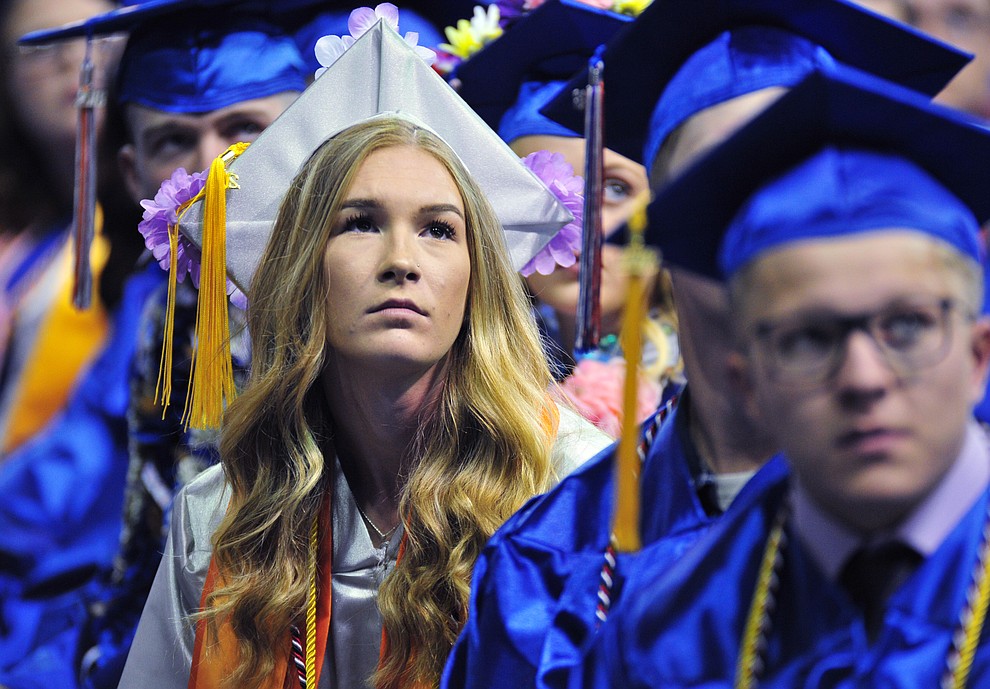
x: 853, y: 265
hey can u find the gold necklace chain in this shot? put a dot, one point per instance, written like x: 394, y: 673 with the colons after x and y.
x: 959, y: 660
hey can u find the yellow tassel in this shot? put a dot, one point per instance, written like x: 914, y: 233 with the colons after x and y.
x: 212, y: 376
x: 641, y: 263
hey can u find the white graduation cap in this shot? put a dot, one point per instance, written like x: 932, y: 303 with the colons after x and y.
x: 380, y: 73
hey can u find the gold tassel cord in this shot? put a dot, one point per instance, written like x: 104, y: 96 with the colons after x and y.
x: 163, y: 388
x: 641, y: 264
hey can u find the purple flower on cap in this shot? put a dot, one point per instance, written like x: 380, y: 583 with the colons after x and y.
x: 161, y: 213
x: 565, y: 246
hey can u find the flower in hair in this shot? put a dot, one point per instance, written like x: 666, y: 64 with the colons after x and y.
x: 565, y: 246
x: 470, y: 36
x: 161, y: 213
x: 329, y: 48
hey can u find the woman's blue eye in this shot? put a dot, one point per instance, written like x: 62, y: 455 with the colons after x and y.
x: 616, y: 191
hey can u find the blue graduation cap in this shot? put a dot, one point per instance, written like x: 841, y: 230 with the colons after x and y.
x: 197, y: 55
x: 778, y: 47
x: 842, y: 152
x: 185, y: 56
x: 513, y: 77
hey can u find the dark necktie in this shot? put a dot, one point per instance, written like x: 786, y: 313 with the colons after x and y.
x: 872, y: 575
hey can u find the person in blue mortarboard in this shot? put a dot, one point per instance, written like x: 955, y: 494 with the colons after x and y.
x: 853, y: 263
x: 45, y: 344
x: 507, y: 83
x: 542, y: 585
x: 194, y: 79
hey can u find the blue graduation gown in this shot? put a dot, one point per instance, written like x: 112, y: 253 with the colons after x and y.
x: 535, y: 586
x: 682, y: 626
x: 171, y: 455
x: 62, y: 496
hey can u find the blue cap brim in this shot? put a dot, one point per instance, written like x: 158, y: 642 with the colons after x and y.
x: 641, y: 60
x: 121, y: 19
x: 194, y: 55
x: 688, y: 219
x: 131, y: 16
x: 549, y: 44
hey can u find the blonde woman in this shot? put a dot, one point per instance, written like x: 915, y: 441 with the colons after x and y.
x: 398, y: 399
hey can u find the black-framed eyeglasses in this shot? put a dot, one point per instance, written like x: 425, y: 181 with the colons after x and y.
x: 808, y: 349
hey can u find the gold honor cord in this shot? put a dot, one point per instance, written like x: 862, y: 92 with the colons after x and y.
x: 973, y: 617
x: 959, y: 661
x: 314, y: 548
x: 750, y: 662
x: 641, y: 265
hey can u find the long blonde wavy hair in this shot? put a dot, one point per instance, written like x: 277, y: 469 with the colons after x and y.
x: 479, y: 454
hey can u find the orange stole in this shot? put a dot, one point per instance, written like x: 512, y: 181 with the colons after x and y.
x: 214, y: 660
x: 67, y: 342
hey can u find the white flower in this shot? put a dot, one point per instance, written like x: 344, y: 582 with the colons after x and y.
x: 428, y: 56
x: 363, y: 18
x: 330, y: 48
